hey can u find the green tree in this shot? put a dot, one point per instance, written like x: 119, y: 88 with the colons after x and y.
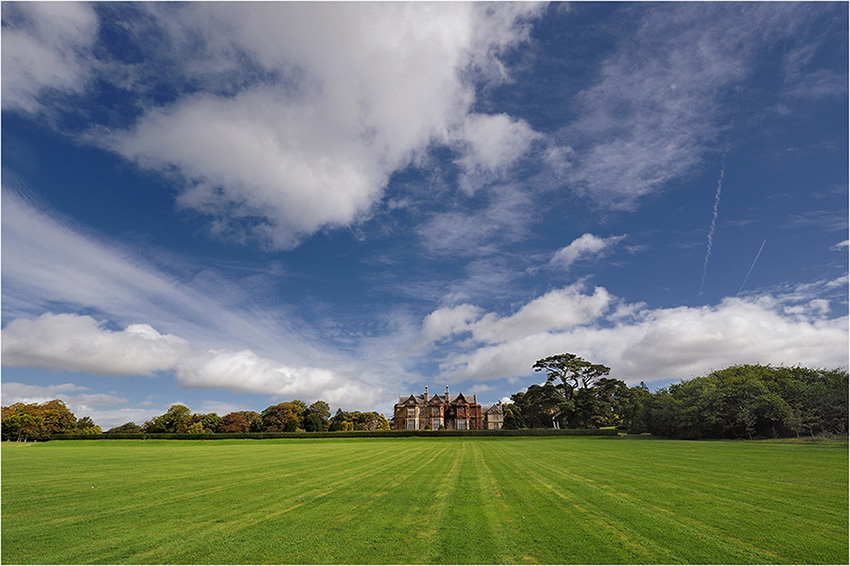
x: 382, y: 423
x: 126, y: 428
x: 313, y: 423
x: 571, y: 371
x: 175, y: 420
x: 541, y: 406
x: 197, y: 428
x: 320, y: 410
x: 276, y: 417
x: 509, y: 420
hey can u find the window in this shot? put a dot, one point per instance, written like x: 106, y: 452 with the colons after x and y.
x: 461, y: 425
x: 411, y: 411
x: 411, y: 424
x: 435, y: 423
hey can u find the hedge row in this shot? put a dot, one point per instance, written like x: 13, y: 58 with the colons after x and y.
x: 340, y: 434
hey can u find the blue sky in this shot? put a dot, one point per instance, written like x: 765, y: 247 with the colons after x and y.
x: 229, y: 205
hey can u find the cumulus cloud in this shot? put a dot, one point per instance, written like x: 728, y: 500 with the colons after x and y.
x: 362, y: 91
x: 587, y: 246
x: 245, y: 371
x: 80, y: 343
x: 649, y: 344
x: 492, y: 144
x: 447, y: 321
x: 13, y: 392
x: 46, y: 46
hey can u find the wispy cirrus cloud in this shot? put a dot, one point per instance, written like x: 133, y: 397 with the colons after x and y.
x: 46, y: 48
x: 664, y: 99
x: 166, y: 325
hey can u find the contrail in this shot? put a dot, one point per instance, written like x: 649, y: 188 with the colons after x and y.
x: 751, y: 267
x: 714, y: 216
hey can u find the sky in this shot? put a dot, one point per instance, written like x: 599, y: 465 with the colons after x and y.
x: 230, y: 205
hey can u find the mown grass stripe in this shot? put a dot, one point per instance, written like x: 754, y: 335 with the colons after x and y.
x: 423, y: 500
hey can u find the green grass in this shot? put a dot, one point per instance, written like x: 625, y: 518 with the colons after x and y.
x: 419, y: 500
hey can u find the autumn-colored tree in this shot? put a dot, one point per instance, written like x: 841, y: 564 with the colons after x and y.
x: 43, y: 421
x: 275, y: 417
x: 57, y: 418
x: 239, y: 421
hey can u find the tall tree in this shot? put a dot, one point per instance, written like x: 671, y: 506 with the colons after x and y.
x: 571, y: 371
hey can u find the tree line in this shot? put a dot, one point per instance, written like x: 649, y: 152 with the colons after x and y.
x: 34, y: 421
x: 41, y: 421
x: 742, y: 401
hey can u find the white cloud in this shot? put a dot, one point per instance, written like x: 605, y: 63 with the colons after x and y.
x: 645, y: 344
x: 587, y: 246
x: 247, y: 372
x: 362, y: 90
x: 447, y: 321
x: 505, y: 219
x: 22, y: 393
x: 80, y: 343
x: 493, y: 144
x: 46, y: 45
x: 840, y: 246
x: 167, y: 325
x: 49, y: 262
x: 657, y: 109
x: 557, y: 310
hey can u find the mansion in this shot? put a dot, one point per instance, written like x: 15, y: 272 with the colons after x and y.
x: 424, y: 412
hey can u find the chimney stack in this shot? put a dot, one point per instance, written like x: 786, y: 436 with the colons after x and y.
x: 426, y: 393
x: 447, y: 393
x: 473, y: 399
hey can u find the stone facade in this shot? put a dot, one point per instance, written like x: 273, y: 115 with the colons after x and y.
x: 493, y: 417
x: 424, y: 412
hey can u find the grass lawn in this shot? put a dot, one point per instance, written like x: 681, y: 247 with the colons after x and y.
x: 419, y: 500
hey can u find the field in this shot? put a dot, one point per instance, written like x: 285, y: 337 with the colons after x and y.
x: 414, y: 500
